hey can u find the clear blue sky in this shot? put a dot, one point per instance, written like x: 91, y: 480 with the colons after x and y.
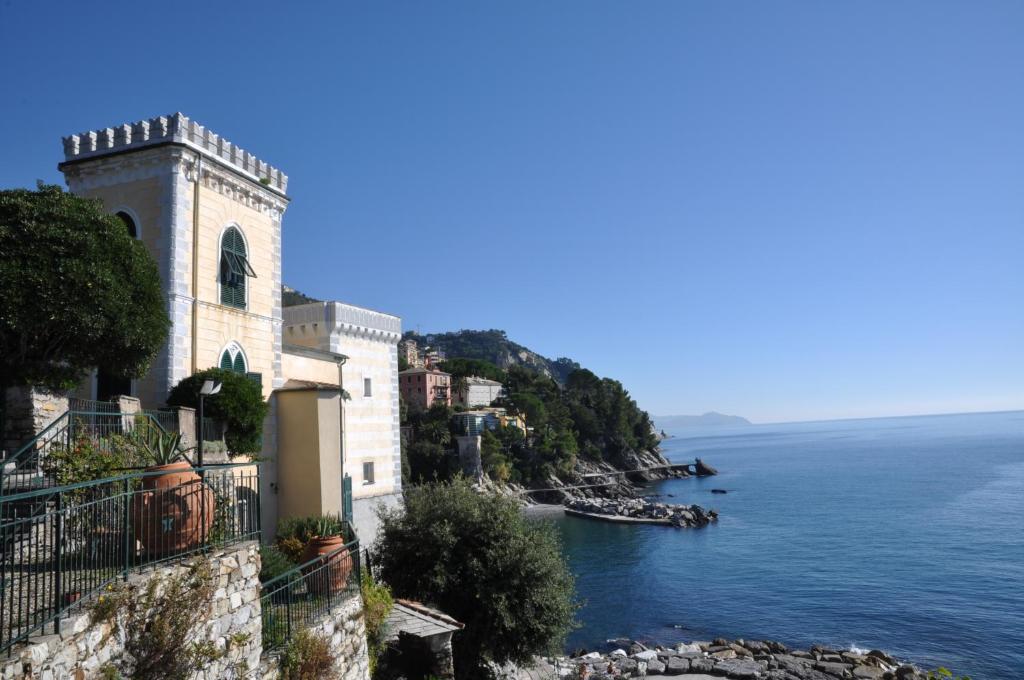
x: 784, y: 210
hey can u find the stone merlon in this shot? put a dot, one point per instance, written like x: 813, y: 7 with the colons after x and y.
x: 340, y: 317
x: 173, y: 129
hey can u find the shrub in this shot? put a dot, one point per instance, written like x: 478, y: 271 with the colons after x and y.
x: 88, y: 458
x: 294, y: 533
x: 158, y: 622
x: 377, y: 604
x: 273, y: 563
x: 307, y: 656
x: 239, y: 405
x: 481, y: 562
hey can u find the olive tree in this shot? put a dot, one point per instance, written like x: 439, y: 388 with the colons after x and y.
x: 480, y: 561
x: 76, y: 292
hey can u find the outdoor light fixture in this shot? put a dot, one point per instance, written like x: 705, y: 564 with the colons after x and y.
x: 209, y: 388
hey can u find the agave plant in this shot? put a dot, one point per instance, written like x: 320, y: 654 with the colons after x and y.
x: 162, y: 448
x: 326, y: 525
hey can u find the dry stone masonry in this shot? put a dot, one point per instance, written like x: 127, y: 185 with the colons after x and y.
x: 345, y: 630
x: 81, y: 648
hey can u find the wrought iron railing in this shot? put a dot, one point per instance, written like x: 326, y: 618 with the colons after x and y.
x: 305, y: 595
x: 62, y: 433
x: 60, y: 546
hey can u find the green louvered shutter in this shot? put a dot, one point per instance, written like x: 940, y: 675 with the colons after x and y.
x: 233, y: 265
x: 239, y: 366
x: 225, y: 361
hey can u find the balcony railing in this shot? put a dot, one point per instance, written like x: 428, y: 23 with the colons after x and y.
x: 306, y: 594
x: 62, y: 545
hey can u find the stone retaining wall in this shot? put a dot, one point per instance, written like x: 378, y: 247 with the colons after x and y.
x: 232, y: 623
x: 345, y: 629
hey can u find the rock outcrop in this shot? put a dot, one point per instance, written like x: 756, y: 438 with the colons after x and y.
x: 740, y: 659
x: 642, y: 511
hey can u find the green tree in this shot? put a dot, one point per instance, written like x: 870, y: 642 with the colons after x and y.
x: 482, y: 562
x: 76, y: 292
x: 239, y: 405
x: 461, y: 367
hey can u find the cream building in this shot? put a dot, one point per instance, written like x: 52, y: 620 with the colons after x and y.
x: 210, y: 214
x: 372, y: 447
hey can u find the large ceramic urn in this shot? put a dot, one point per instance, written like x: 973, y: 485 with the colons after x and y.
x: 174, y: 511
x: 330, y: 573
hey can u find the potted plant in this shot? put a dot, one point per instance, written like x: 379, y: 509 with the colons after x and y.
x: 329, y: 574
x: 175, y: 510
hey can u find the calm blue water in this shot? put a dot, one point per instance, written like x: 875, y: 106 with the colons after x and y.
x: 905, y: 534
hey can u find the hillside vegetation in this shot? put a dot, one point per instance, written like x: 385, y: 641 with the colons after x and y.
x: 494, y: 347
x: 585, y: 418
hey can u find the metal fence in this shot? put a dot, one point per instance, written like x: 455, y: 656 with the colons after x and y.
x: 305, y: 595
x: 64, y: 544
x: 21, y: 469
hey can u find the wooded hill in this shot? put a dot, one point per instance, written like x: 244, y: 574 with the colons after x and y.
x: 584, y: 417
x: 494, y: 347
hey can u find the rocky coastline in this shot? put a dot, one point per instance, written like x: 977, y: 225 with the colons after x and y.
x: 640, y: 511
x: 739, y: 659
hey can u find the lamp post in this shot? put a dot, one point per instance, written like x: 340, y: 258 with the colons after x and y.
x: 209, y: 388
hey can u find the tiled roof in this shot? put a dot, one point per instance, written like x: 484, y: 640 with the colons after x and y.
x: 416, y: 618
x: 293, y: 384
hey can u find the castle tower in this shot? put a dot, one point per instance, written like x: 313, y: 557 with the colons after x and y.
x: 210, y: 214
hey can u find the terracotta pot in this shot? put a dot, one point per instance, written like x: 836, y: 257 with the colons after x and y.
x: 174, y: 512
x: 325, y: 577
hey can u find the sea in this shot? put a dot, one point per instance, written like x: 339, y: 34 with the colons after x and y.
x: 900, y: 534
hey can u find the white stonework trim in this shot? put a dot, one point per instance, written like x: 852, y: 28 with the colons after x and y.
x: 220, y: 250
x: 233, y: 349
x: 243, y: 192
x: 132, y: 214
x: 175, y: 128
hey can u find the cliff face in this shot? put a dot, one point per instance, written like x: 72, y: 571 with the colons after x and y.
x: 593, y: 479
x: 494, y: 346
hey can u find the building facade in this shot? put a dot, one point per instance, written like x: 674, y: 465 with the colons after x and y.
x: 477, y: 392
x: 423, y: 387
x: 210, y: 214
x: 372, y: 444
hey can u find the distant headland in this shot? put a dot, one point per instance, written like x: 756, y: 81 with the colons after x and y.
x: 709, y: 419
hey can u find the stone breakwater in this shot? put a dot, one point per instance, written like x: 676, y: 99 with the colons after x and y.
x: 740, y: 659
x: 640, y: 511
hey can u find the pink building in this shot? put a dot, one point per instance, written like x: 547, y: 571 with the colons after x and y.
x: 424, y: 386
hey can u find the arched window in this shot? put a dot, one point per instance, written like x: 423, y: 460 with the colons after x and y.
x: 233, y: 359
x: 129, y: 224
x: 234, y: 267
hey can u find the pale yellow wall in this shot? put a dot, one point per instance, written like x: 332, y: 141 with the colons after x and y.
x: 218, y: 325
x: 216, y: 213
x: 369, y: 421
x: 308, y: 460
x: 252, y: 327
x: 144, y: 199
x: 295, y: 367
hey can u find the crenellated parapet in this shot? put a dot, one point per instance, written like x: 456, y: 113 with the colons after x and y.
x: 174, y: 129
x: 322, y: 319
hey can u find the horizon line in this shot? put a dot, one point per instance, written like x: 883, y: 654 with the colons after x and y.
x: 833, y: 420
